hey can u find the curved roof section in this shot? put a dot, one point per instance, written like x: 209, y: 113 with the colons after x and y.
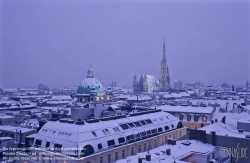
x: 90, y: 85
x: 78, y: 136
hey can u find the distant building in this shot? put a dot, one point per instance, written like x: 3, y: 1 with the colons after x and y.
x: 196, y: 85
x: 113, y: 85
x: 178, y: 85
x: 90, y: 89
x: 43, y: 87
x: 225, y: 86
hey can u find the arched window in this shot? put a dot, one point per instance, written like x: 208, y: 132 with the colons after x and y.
x: 87, y: 150
x: 179, y: 125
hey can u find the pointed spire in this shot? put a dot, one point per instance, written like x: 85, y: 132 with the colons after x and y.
x: 164, y: 49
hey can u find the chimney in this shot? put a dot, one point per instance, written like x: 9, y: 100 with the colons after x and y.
x: 213, y: 138
x: 168, y: 151
x: 148, y: 157
x: 224, y: 119
x: 139, y: 160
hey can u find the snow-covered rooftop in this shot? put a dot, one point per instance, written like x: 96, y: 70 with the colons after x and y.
x: 186, y: 109
x: 178, y: 151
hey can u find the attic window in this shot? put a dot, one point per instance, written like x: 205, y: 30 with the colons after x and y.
x: 143, y: 134
x: 121, y: 140
x: 107, y: 131
x: 118, y: 129
x: 143, y: 123
x: 104, y: 132
x: 99, y: 146
x: 172, y: 125
x: 131, y: 125
x: 111, y: 142
x: 149, y: 121
x: 47, y: 144
x: 58, y: 147
x: 94, y: 133
x: 137, y: 124
x: 166, y: 128
x: 160, y: 129
x: 124, y: 126
x: 38, y: 142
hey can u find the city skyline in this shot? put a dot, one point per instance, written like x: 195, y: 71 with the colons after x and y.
x: 43, y: 43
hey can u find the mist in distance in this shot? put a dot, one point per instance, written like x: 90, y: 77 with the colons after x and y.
x: 55, y: 42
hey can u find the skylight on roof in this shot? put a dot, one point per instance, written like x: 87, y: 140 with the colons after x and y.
x: 94, y: 133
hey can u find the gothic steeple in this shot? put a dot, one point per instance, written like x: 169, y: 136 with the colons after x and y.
x: 164, y: 73
x: 164, y: 49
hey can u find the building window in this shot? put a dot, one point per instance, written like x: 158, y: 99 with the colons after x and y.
x: 143, y: 134
x: 104, y: 132
x: 166, y: 140
x: 181, y: 117
x: 116, y: 155
x: 160, y: 129
x: 166, y: 128
x: 139, y: 149
x: 111, y: 142
x: 204, y: 118
x: 155, y: 143
x: 101, y: 159
x: 94, y: 133
x: 149, y: 147
x: 145, y: 147
x: 109, y: 158
x: 180, y: 134
x: 124, y: 126
x: 99, y: 146
x: 123, y: 154
x: 132, y: 151
x: 121, y: 140
x: 169, y: 136
x: 57, y: 147
x: 213, y: 155
x: 173, y: 136
x: 188, y: 117
x: 131, y: 125
x: 47, y: 144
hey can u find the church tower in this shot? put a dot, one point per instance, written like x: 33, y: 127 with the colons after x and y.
x: 145, y: 84
x: 164, y: 81
x: 135, y: 85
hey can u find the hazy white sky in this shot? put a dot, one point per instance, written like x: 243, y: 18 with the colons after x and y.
x: 54, y: 42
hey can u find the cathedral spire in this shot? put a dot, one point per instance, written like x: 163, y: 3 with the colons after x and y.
x: 164, y: 49
x: 164, y: 81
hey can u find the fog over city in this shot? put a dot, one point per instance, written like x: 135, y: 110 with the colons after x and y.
x: 55, y: 43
